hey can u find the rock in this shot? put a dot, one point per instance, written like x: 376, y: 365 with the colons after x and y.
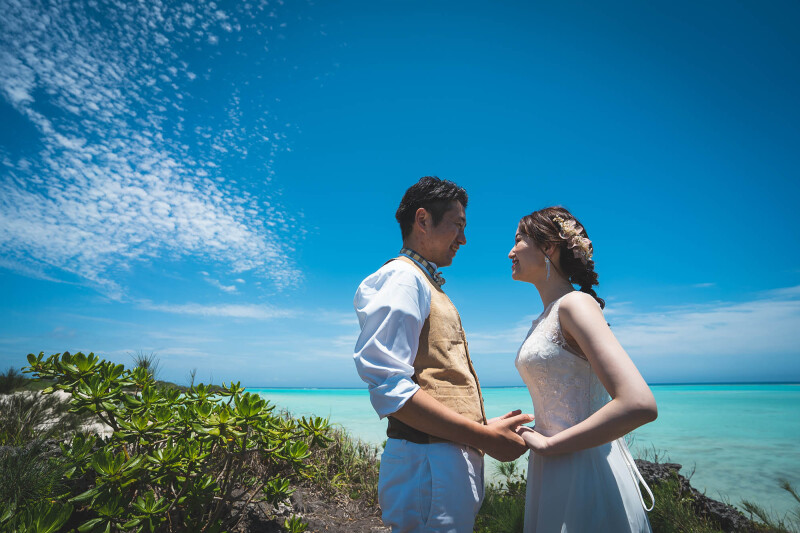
x: 727, y: 517
x: 657, y: 472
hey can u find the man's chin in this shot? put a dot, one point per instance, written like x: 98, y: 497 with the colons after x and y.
x: 446, y: 261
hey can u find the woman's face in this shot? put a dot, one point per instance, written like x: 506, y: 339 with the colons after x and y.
x: 527, y: 259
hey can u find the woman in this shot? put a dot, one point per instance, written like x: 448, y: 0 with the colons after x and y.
x: 581, y: 477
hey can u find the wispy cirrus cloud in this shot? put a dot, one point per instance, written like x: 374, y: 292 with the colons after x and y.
x: 763, y: 324
x: 218, y: 284
x: 134, y: 155
x: 501, y: 341
x: 331, y: 318
x: 250, y: 311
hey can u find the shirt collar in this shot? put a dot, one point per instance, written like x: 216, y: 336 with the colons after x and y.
x: 427, y: 265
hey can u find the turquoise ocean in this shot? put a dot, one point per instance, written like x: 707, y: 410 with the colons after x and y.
x: 736, y: 441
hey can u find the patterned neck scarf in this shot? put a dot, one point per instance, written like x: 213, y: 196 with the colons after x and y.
x: 430, y: 267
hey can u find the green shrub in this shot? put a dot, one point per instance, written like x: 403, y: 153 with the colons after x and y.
x: 147, y: 360
x: 348, y: 466
x: 174, y: 461
x: 295, y: 525
x: 30, y: 415
x: 30, y: 472
x: 786, y: 524
x: 503, y: 509
x: 674, y: 511
x: 11, y: 380
x: 42, y: 517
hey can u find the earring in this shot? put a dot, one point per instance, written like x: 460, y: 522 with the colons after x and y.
x: 547, y: 263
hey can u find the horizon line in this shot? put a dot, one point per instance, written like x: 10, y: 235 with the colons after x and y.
x: 523, y: 386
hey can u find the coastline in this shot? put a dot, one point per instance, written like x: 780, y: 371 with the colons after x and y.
x: 323, y: 509
x: 485, y: 387
x: 700, y: 426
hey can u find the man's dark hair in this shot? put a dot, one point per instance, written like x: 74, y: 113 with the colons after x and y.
x: 434, y: 195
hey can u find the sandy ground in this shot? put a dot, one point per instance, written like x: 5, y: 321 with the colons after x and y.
x: 92, y: 425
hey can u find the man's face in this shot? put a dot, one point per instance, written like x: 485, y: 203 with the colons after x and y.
x: 445, y: 238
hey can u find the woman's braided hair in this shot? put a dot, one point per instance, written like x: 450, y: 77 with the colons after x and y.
x: 556, y: 225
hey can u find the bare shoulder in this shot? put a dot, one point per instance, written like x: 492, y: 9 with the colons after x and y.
x: 579, y: 302
x: 579, y: 310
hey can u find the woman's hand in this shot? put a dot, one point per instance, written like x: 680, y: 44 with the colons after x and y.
x: 537, y: 442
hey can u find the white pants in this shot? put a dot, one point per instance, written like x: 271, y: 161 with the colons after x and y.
x: 430, y: 487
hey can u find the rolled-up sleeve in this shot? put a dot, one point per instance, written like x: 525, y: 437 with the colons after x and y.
x: 392, y: 305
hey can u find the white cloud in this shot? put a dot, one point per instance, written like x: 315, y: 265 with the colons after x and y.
x: 295, y: 346
x: 113, y: 181
x: 31, y: 271
x: 220, y: 286
x: 336, y: 319
x: 103, y: 319
x: 786, y: 292
x: 192, y: 354
x: 182, y: 338
x: 764, y: 324
x: 257, y: 312
x: 216, y: 283
x: 500, y: 341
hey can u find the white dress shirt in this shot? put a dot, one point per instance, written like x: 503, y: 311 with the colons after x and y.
x: 392, y: 305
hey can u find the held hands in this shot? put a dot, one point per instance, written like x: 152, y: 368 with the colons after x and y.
x: 504, y: 443
x: 535, y: 441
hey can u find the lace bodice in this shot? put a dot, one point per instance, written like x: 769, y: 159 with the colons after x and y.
x: 564, y: 388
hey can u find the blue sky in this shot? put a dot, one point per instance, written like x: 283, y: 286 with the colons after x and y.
x: 210, y: 181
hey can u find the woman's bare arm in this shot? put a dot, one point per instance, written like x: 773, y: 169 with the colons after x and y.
x: 632, y: 404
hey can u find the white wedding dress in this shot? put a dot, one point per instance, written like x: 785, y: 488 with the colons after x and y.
x: 593, y: 490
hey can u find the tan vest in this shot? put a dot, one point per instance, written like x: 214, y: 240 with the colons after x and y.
x: 442, y: 367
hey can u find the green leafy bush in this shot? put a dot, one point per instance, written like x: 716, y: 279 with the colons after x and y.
x: 503, y: 509
x: 348, y: 466
x: 42, y: 517
x: 29, y: 415
x: 175, y: 461
x: 31, y: 472
x: 147, y: 360
x: 11, y: 380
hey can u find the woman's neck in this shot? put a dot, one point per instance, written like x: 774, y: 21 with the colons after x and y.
x: 553, y: 289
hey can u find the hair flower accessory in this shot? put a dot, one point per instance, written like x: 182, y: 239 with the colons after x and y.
x: 571, y: 232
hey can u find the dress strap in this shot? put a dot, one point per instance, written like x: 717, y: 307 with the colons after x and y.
x: 638, y: 480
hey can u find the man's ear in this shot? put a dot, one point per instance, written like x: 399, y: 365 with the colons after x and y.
x: 422, y: 219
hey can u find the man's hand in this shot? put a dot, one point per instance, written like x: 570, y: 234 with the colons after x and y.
x: 498, y: 438
x: 509, y: 414
x: 502, y: 441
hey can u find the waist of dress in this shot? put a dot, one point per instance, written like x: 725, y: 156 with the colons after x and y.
x: 630, y: 464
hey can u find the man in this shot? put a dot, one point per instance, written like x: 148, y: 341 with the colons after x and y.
x: 413, y: 354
